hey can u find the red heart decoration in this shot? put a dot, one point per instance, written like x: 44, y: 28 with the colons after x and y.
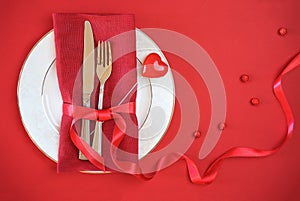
x: 154, y: 67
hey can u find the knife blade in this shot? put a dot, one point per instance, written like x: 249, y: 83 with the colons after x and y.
x: 88, y: 71
x: 88, y: 74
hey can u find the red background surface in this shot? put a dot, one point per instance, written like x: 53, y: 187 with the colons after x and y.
x: 240, y: 36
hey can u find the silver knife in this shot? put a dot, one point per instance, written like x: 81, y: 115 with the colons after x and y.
x: 88, y: 73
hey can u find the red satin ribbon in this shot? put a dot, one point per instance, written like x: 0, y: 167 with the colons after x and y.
x: 78, y: 112
x: 209, y: 174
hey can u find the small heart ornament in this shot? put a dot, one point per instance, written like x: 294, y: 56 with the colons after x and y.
x: 154, y: 67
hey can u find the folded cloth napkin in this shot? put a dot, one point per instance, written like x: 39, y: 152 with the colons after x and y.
x: 69, y: 36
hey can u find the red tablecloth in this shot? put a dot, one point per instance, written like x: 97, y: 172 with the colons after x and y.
x: 241, y: 37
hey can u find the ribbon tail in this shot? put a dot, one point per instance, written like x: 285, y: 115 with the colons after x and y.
x: 213, y: 168
x: 211, y: 172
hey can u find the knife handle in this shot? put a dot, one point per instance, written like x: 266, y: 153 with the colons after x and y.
x: 85, y: 127
x: 85, y: 135
x: 97, y: 140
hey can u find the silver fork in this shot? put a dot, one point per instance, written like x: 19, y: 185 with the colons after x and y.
x: 103, y: 71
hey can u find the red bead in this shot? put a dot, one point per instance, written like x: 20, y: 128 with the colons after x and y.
x: 255, y: 101
x: 244, y: 78
x: 197, y: 134
x: 222, y: 126
x: 282, y: 31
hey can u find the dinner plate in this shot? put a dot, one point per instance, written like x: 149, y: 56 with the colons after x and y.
x: 40, y: 102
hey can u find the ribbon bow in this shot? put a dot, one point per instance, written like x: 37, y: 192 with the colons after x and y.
x: 79, y: 112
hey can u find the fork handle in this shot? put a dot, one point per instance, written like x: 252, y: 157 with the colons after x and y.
x: 101, y: 94
x: 97, y: 139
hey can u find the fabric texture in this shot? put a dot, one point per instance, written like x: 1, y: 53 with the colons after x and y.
x: 69, y: 37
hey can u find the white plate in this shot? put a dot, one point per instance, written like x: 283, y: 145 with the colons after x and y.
x: 40, y: 101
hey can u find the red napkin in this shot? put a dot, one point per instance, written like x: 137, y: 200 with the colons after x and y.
x: 68, y: 30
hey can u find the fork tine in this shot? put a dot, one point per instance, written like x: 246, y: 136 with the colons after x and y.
x: 109, y: 54
x: 105, y: 53
x: 98, y: 53
x: 102, y: 51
